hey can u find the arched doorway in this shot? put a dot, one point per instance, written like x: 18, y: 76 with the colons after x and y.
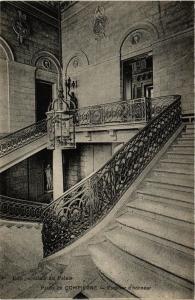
x: 136, y: 61
x: 47, y: 74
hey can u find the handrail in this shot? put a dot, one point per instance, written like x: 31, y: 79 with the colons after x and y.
x: 22, y: 137
x: 135, y: 110
x: 83, y: 206
x: 131, y: 111
x: 19, y: 209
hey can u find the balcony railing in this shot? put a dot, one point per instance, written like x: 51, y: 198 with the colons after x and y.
x: 88, y: 202
x: 132, y: 111
x: 23, y: 210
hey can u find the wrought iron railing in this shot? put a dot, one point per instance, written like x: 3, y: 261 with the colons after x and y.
x: 23, y: 210
x: 84, y: 205
x: 133, y: 111
x: 22, y: 137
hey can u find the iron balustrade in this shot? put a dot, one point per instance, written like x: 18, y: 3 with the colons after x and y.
x: 132, y: 111
x: 22, y: 137
x: 23, y: 210
x: 88, y: 202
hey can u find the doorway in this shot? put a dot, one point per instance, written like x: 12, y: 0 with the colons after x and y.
x: 138, y: 77
x: 43, y: 98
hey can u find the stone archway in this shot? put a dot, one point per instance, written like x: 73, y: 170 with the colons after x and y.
x: 6, y: 56
x: 47, y: 81
x: 136, y: 63
x: 7, y: 49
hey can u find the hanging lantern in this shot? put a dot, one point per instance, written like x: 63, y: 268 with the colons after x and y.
x: 60, y: 124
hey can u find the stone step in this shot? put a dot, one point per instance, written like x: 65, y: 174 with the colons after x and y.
x: 170, y: 164
x: 175, y: 168
x: 167, y: 194
x: 185, y: 138
x: 189, y: 130
x: 170, y: 161
x: 186, y: 142
x: 159, y: 208
x: 152, y: 182
x: 188, y: 134
x: 134, y: 274
x: 165, y: 200
x: 164, y: 257
x: 180, y: 156
x: 190, y: 125
x: 175, y: 235
x: 183, y: 149
x: 172, y: 178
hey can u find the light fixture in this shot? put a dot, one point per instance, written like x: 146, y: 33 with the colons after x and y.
x: 60, y: 124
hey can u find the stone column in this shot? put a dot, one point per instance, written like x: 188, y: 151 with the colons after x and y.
x: 57, y: 173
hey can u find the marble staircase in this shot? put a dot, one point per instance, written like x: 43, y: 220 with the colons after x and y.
x: 150, y: 251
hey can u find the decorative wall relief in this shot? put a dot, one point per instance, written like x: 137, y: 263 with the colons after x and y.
x: 100, y: 21
x: 76, y: 63
x: 135, y: 38
x: 21, y: 27
x: 46, y: 64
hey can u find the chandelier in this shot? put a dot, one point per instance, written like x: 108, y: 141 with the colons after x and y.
x: 61, y: 123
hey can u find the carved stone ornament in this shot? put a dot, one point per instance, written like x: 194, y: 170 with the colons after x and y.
x: 135, y: 38
x: 46, y: 63
x: 100, y: 21
x: 21, y: 27
x: 75, y: 62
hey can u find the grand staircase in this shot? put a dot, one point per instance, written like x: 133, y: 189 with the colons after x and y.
x: 144, y: 249
x: 150, y: 251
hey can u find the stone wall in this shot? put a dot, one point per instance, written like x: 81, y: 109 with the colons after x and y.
x: 26, y: 180
x: 27, y: 58
x: 92, y: 53
x: 71, y: 167
x: 42, y: 36
x: 83, y: 161
x: 4, y: 104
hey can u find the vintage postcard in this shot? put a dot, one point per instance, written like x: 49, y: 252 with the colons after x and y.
x: 96, y: 149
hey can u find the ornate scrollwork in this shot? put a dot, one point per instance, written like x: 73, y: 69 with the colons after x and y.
x: 21, y: 27
x: 84, y: 205
x: 17, y: 209
x: 115, y: 112
x: 136, y: 110
x: 22, y: 137
x: 100, y: 21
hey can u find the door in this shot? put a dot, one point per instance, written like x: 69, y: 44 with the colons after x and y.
x: 43, y: 98
x: 138, y: 77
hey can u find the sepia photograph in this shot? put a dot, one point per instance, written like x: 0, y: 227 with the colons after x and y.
x: 97, y: 150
